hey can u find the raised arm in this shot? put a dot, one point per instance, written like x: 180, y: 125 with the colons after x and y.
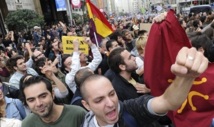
x: 97, y: 58
x: 75, y: 66
x: 48, y: 71
x: 189, y: 64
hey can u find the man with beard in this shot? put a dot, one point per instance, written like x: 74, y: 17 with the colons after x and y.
x: 106, y: 111
x: 125, y: 81
x: 37, y: 94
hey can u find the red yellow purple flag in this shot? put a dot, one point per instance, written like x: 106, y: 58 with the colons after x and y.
x: 102, y: 26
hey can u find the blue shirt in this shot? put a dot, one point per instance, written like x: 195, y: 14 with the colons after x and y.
x: 14, y: 108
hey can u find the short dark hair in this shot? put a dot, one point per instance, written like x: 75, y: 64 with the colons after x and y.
x: 124, y: 33
x: 40, y: 63
x: 142, y: 32
x: 115, y: 59
x: 81, y: 75
x: 64, y: 57
x: 199, y: 39
x: 116, y: 34
x: 29, y: 80
x: 109, y: 44
x: 12, y: 62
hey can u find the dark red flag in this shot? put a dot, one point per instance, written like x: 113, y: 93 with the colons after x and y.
x: 164, y: 42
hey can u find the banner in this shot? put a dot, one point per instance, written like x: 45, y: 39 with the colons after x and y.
x: 67, y: 44
x: 60, y: 5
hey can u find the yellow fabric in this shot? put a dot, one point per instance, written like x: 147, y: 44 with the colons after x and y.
x: 101, y: 28
x: 132, y: 81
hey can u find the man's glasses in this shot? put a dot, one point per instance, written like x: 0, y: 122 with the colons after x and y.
x: 38, y: 56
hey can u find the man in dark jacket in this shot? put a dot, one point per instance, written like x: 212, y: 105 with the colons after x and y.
x: 101, y: 99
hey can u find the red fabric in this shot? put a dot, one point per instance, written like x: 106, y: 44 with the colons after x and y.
x: 164, y: 42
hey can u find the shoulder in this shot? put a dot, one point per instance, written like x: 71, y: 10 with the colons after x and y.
x: 30, y: 120
x: 14, y: 76
x: 10, y: 122
x: 75, y: 109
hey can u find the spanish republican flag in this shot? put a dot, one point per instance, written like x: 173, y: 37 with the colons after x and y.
x: 103, y: 27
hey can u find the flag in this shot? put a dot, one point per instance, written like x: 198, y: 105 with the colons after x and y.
x: 103, y: 27
x: 95, y: 38
x: 164, y: 41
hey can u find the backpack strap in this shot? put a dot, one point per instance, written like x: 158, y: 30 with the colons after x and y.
x: 76, y: 99
x: 20, y: 108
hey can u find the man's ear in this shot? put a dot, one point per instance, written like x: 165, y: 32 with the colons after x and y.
x: 122, y: 67
x: 53, y: 94
x: 85, y: 104
x: 15, y: 68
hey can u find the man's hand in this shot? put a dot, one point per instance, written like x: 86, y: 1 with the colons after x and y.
x: 47, y: 69
x: 160, y: 17
x: 88, y: 41
x: 189, y: 63
x: 141, y: 88
x: 76, y: 45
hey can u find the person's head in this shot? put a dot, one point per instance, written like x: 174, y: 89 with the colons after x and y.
x: 16, y: 63
x: 54, y: 45
x: 100, y: 97
x: 37, y: 55
x: 12, y: 52
x: 37, y: 94
x: 117, y: 35
x: 209, y: 32
x: 196, y: 23
x: 44, y: 62
x: 81, y: 75
x: 42, y: 41
x: 121, y: 60
x: 142, y: 33
x: 103, y: 44
x: 60, y: 47
x: 141, y: 44
x: 201, y: 42
x: 66, y: 63
x: 83, y: 57
x: 183, y: 23
x: 127, y: 35
x: 111, y: 44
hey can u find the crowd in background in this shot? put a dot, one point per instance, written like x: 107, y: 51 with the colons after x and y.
x: 40, y: 53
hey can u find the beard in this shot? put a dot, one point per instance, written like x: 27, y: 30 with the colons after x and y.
x: 48, y: 112
x: 131, y: 69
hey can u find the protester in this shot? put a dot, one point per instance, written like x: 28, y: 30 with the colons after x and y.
x: 101, y: 99
x: 37, y: 93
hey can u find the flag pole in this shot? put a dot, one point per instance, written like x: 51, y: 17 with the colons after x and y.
x: 96, y: 39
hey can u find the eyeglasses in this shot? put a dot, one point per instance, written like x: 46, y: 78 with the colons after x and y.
x: 38, y: 56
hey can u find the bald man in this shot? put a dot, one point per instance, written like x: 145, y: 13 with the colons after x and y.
x: 100, y: 98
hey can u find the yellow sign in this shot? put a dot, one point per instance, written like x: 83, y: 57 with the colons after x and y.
x: 67, y: 44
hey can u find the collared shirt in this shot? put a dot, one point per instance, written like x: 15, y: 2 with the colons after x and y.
x: 75, y: 66
x: 15, y: 78
x: 110, y: 125
x: 5, y: 122
x: 96, y: 124
x: 12, y: 110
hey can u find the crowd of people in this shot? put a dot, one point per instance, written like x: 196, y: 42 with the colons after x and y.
x: 41, y: 86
